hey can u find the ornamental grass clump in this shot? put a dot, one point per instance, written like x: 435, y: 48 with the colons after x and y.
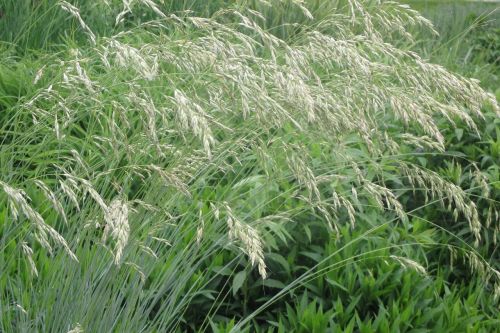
x: 148, y: 147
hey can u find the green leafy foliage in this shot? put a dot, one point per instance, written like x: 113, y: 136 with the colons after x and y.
x: 238, y: 166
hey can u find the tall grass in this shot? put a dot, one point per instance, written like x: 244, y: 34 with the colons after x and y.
x: 162, y: 142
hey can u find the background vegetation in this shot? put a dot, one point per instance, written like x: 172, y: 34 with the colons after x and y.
x: 243, y: 172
